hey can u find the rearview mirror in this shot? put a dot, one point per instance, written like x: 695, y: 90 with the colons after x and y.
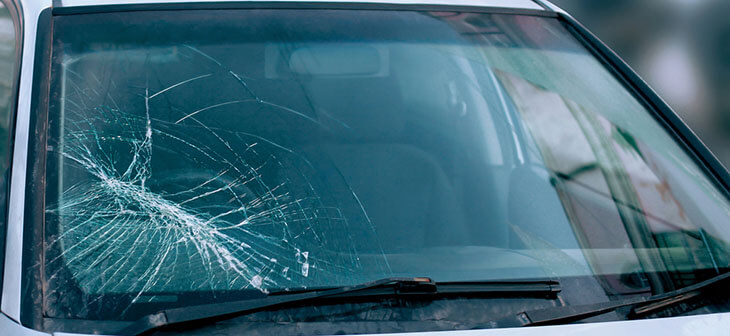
x: 327, y: 60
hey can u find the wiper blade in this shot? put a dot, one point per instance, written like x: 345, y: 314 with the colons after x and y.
x: 418, y: 286
x: 515, y: 287
x: 639, y: 306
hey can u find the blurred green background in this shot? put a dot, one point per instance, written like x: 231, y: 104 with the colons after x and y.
x: 681, y: 47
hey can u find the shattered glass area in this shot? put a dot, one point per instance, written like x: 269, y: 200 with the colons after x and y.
x: 155, y: 200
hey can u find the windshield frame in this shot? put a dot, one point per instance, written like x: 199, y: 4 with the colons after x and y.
x: 31, y: 304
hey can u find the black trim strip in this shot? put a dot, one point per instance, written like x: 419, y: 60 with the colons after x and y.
x: 295, y: 5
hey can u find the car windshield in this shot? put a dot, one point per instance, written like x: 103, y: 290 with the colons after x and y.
x: 200, y: 156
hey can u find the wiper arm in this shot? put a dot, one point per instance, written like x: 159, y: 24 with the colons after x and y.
x: 209, y: 313
x: 639, y: 306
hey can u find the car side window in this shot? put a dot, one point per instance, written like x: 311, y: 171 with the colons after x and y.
x: 9, y: 62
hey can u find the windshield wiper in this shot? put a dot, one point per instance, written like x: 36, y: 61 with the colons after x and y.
x: 401, y: 287
x: 639, y: 306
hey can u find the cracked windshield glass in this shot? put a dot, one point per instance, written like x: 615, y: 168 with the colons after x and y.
x: 204, y: 156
